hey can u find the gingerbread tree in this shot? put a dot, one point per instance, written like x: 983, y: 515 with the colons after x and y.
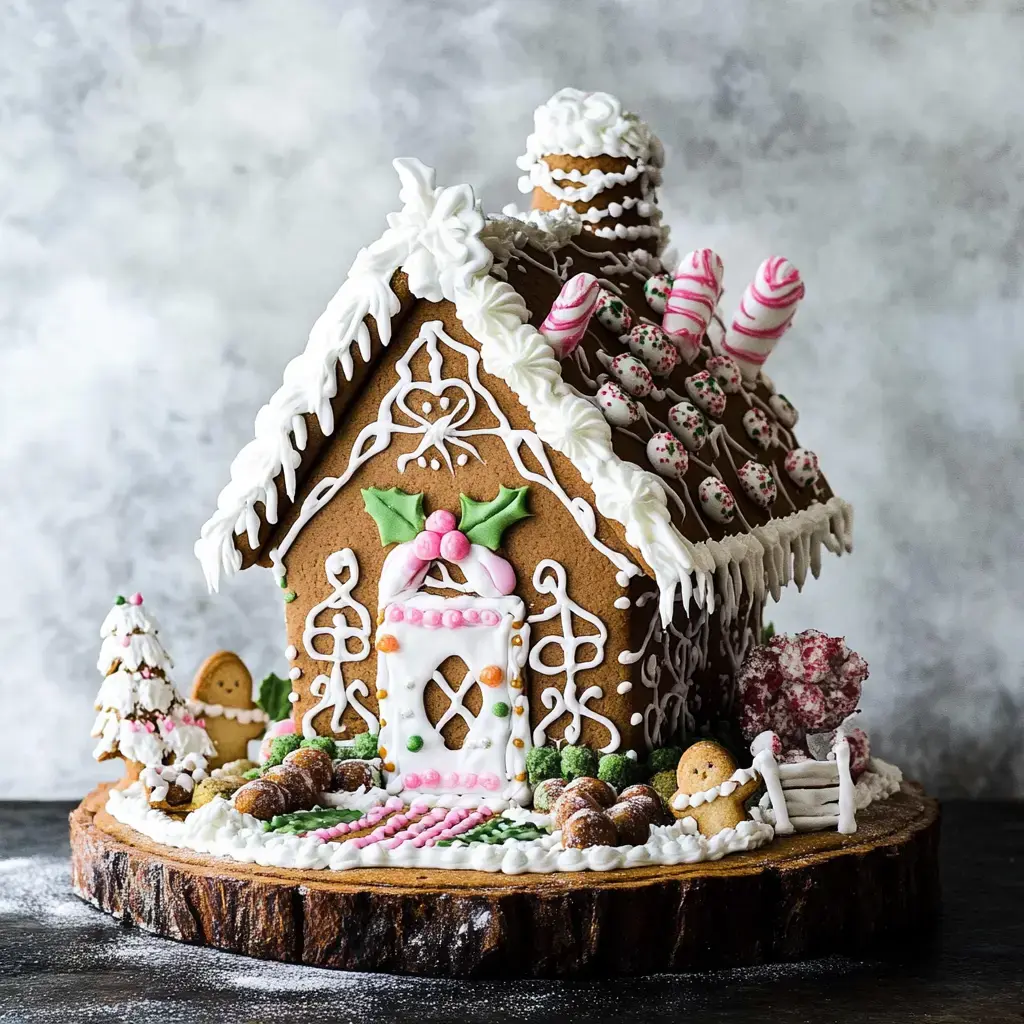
x: 141, y: 716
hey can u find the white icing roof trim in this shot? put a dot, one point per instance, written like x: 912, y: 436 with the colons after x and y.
x: 440, y: 239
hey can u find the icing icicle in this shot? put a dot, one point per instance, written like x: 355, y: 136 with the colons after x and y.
x: 695, y: 292
x: 570, y: 314
x: 765, y: 313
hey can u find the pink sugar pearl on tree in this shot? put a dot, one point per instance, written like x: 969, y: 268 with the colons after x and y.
x: 440, y: 521
x: 454, y: 545
x: 136, y: 598
x: 427, y: 545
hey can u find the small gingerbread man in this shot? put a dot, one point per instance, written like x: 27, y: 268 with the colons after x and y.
x: 704, y: 767
x: 222, y: 695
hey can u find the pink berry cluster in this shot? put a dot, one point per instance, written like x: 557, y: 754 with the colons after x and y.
x: 794, y: 686
x: 440, y: 539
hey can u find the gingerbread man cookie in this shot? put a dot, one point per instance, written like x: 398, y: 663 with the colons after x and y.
x: 712, y: 790
x: 222, y: 695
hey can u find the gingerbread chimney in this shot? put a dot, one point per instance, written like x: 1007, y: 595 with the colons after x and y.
x: 588, y: 153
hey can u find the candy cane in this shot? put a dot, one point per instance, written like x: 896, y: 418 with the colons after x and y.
x: 765, y: 313
x: 570, y: 314
x: 691, y: 303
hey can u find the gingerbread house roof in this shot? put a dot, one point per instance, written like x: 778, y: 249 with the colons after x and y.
x: 502, y: 274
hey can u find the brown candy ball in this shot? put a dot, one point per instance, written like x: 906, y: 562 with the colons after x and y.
x: 640, y: 789
x: 350, y: 775
x: 546, y: 793
x: 262, y: 799
x: 568, y: 804
x: 210, y: 788
x: 588, y: 827
x: 297, y: 783
x: 632, y: 823
x: 316, y: 762
x: 599, y: 791
x: 652, y: 807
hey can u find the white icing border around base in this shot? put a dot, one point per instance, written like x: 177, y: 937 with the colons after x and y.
x: 218, y: 829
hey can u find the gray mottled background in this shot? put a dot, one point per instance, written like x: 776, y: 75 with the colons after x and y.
x: 183, y: 185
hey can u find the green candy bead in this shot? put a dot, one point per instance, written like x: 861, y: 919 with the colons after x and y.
x: 500, y: 710
x: 415, y: 743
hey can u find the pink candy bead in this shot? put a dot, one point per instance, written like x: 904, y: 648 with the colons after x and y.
x: 454, y: 546
x: 440, y: 521
x: 427, y: 546
x: 414, y: 616
x: 413, y: 781
x: 136, y: 598
x: 395, y: 613
x: 491, y: 782
x: 126, y: 641
x: 472, y: 616
x: 471, y: 779
x: 452, y: 618
x: 450, y: 780
x: 432, y: 617
x: 431, y: 777
x: 489, y: 617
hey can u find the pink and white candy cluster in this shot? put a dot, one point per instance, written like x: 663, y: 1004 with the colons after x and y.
x: 432, y: 778
x: 796, y: 686
x: 441, y: 539
x: 765, y: 313
x: 567, y: 322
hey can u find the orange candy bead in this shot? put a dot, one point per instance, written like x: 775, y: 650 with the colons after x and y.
x: 492, y: 675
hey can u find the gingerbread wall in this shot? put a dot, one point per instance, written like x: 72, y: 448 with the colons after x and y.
x: 550, y: 533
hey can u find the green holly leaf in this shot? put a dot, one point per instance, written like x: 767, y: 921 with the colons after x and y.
x: 483, y: 522
x: 399, y: 516
x: 273, y: 698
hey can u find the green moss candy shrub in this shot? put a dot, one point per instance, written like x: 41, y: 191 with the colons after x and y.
x: 577, y: 762
x: 543, y: 763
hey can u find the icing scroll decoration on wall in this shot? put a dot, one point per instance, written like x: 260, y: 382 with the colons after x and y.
x: 549, y: 578
x: 331, y: 690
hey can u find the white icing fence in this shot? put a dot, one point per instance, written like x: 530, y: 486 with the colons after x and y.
x: 809, y: 795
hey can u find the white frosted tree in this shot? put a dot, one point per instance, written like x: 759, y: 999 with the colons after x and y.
x: 141, y: 716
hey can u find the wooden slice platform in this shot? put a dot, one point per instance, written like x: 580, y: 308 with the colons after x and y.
x: 799, y: 897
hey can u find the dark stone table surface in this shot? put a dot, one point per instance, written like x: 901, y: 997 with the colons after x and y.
x: 61, y: 960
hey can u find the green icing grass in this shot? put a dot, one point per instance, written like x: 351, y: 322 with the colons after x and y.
x: 496, y: 831
x: 307, y: 821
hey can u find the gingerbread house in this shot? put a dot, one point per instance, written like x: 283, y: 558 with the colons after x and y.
x: 526, y: 484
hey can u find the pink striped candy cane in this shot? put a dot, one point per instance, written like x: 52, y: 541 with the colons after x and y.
x: 765, y: 313
x: 570, y: 314
x: 691, y: 303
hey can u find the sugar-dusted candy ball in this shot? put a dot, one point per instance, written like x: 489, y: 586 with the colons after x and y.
x: 568, y: 804
x: 652, y: 806
x: 600, y: 792
x: 350, y: 775
x: 758, y: 483
x: 759, y: 428
x: 667, y: 455
x: 632, y: 823
x: 716, y: 499
x: 427, y: 545
x: 613, y: 313
x: 316, y: 762
x: 706, y: 393
x: 688, y: 424
x: 588, y: 827
x: 239, y: 767
x: 727, y: 372
x: 632, y: 374
x: 656, y: 289
x: 297, y: 783
x: 651, y: 344
x: 619, y: 409
x: 210, y: 788
x: 639, y: 789
x: 784, y: 410
x: 262, y: 798
x: 545, y: 795
x: 802, y: 466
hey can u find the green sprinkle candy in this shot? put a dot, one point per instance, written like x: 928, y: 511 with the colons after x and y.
x: 500, y: 710
x: 289, y: 596
x: 119, y: 600
x: 415, y: 743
